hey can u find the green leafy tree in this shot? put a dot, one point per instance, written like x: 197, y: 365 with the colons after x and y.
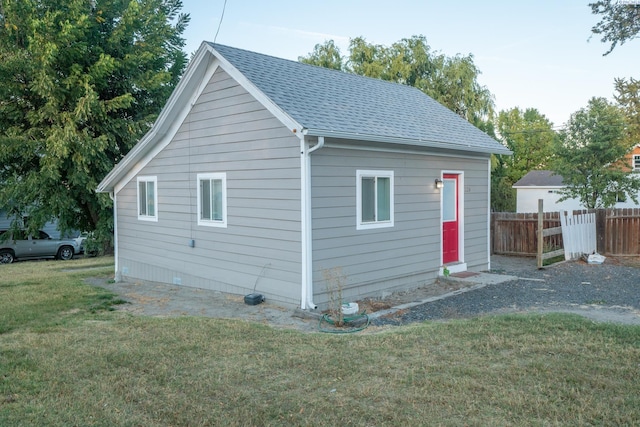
x: 588, y: 156
x: 325, y: 55
x: 456, y: 86
x: 82, y: 80
x: 628, y: 97
x: 620, y: 21
x: 530, y: 136
x: 453, y: 81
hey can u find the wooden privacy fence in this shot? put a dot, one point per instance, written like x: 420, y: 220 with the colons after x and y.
x: 617, y: 232
x: 516, y: 233
x: 621, y: 234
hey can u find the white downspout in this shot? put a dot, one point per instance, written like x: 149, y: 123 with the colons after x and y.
x: 117, y: 277
x: 307, y: 235
x: 489, y: 237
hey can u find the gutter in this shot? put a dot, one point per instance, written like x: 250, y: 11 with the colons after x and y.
x: 407, y: 141
x: 307, y: 236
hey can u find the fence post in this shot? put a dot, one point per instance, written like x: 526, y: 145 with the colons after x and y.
x: 492, y: 230
x: 540, y: 231
x: 601, y: 218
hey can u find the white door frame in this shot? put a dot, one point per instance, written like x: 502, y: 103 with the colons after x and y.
x: 461, y: 265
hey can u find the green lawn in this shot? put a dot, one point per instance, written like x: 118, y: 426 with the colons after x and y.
x: 67, y: 360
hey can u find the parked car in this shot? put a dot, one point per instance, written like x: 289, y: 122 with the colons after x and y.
x: 78, y: 236
x: 19, y: 245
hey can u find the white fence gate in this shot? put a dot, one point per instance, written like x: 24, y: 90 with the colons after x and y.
x: 578, y: 234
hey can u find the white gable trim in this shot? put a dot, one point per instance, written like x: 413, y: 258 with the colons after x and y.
x: 286, y: 120
x: 162, y: 141
x: 196, y: 77
x: 121, y: 173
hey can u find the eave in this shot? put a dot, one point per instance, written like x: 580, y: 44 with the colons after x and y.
x: 405, y: 141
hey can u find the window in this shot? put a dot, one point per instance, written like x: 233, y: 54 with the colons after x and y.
x: 147, y: 198
x: 212, y: 199
x: 374, y: 205
x: 636, y: 162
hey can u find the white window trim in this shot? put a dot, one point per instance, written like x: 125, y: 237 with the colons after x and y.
x: 207, y: 222
x: 634, y: 162
x: 145, y: 179
x: 373, y: 174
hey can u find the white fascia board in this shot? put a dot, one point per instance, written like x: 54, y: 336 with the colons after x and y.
x: 263, y: 99
x: 418, y: 150
x: 405, y: 141
x: 195, y: 78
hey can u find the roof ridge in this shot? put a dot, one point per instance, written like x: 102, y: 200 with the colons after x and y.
x: 318, y: 67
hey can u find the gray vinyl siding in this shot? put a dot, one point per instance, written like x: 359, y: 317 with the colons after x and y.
x: 405, y: 255
x: 226, y: 131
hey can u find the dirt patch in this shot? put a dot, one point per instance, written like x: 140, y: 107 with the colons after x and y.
x: 440, y: 287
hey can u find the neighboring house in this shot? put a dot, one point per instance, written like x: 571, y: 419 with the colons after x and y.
x: 546, y: 185
x: 51, y: 227
x: 631, y: 162
x: 267, y: 173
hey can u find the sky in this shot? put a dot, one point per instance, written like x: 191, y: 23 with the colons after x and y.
x: 532, y: 54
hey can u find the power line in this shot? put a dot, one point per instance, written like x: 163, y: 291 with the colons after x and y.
x: 220, y: 23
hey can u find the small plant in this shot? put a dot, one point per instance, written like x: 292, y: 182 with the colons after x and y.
x: 335, y: 280
x: 445, y: 271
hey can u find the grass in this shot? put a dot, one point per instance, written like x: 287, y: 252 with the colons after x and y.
x: 63, y: 363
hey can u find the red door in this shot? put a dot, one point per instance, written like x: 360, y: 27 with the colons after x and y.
x: 450, y: 219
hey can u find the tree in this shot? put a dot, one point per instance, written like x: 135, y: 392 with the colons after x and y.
x: 325, y: 55
x: 620, y: 21
x: 450, y: 80
x: 588, y: 156
x: 628, y: 97
x: 81, y: 82
x: 530, y: 136
x: 456, y: 86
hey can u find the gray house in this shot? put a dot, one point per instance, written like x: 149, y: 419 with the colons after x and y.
x: 268, y: 173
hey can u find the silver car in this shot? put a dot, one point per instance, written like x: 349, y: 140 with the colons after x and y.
x: 17, y: 245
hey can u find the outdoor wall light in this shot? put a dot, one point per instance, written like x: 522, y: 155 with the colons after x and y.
x: 439, y: 183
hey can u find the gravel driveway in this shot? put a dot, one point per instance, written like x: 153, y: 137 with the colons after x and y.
x: 608, y: 292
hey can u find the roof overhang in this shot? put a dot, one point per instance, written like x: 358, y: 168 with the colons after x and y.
x: 404, y: 142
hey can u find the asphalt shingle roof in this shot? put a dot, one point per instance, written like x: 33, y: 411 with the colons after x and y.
x: 540, y: 179
x: 342, y: 104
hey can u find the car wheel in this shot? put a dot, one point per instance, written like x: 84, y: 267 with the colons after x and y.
x: 6, y: 257
x: 65, y: 253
